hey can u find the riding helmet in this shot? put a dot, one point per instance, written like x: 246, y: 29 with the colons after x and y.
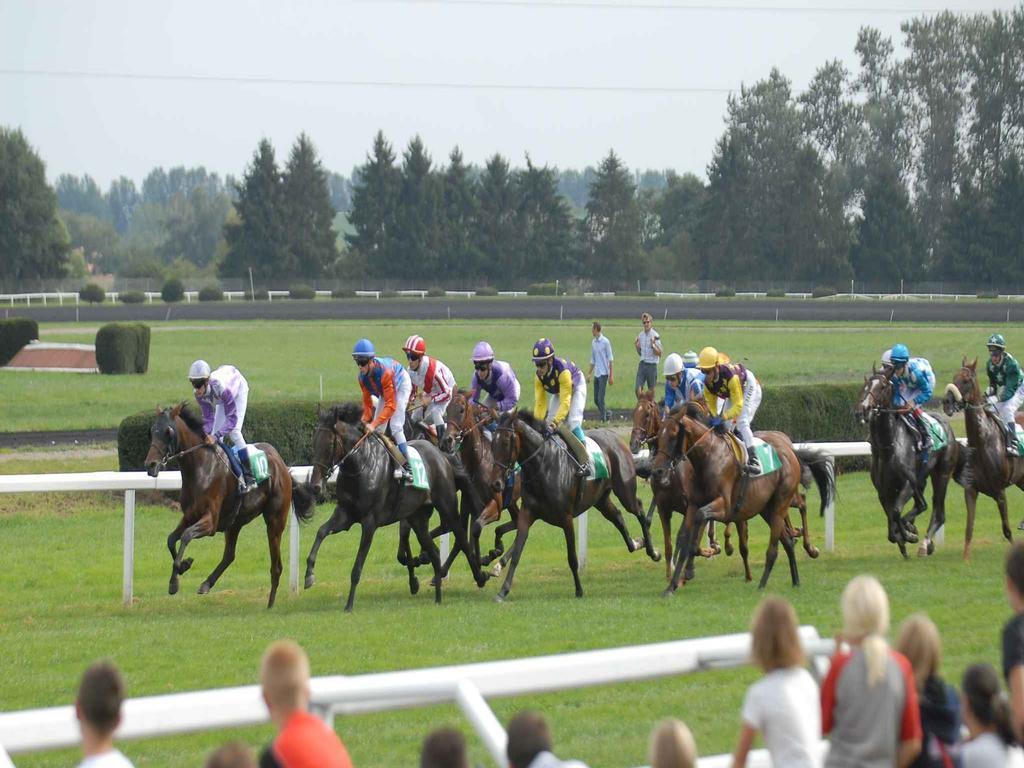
x: 482, y: 352
x: 416, y: 345
x: 200, y: 370
x: 900, y: 354
x: 690, y: 359
x: 708, y: 358
x: 542, y: 350
x: 363, y: 349
x: 996, y: 340
x: 673, y: 364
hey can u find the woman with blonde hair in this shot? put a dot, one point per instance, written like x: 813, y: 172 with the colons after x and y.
x: 939, y: 704
x: 782, y: 705
x: 672, y: 745
x: 868, y: 700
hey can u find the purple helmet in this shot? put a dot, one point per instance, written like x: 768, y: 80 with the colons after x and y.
x: 482, y: 352
x: 543, y: 349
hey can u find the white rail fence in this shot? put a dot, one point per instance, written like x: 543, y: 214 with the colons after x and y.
x: 468, y: 685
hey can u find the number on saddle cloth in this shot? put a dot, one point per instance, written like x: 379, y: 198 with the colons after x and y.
x: 419, y: 471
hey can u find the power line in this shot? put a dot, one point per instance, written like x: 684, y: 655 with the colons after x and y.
x: 671, y: 6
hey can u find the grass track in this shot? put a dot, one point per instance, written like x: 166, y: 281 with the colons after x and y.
x: 60, y: 609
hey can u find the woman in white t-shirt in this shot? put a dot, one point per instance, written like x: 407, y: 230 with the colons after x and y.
x: 992, y: 743
x: 783, y: 705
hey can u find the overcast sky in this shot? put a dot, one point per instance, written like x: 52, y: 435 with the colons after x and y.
x: 120, y: 86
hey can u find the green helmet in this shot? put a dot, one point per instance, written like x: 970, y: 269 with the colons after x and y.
x: 996, y: 340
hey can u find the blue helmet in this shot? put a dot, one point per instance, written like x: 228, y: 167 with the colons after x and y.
x: 363, y: 348
x: 542, y: 350
x: 900, y: 354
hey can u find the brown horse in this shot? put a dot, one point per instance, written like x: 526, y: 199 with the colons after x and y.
x: 717, y: 490
x: 210, y: 501
x: 992, y: 469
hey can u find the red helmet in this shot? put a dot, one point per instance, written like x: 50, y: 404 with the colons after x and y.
x: 416, y: 345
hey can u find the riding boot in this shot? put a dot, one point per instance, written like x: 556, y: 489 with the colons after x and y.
x: 440, y: 432
x: 1012, y: 445
x: 248, y: 480
x: 404, y: 473
x: 578, y: 448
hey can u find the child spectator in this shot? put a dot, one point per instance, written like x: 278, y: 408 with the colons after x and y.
x: 98, y: 709
x: 672, y: 745
x: 991, y: 742
x: 868, y: 700
x: 529, y: 744
x: 782, y: 705
x: 940, y: 706
x: 444, y: 748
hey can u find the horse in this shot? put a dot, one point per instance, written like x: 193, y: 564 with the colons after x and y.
x: 992, y: 469
x: 210, y: 501
x: 463, y: 433
x: 553, y: 492
x: 716, y: 489
x: 368, y: 494
x: 894, y: 463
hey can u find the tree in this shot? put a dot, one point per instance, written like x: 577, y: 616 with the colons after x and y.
x: 495, y: 235
x: 677, y: 211
x: 887, y: 248
x: 308, y: 215
x: 122, y: 199
x: 417, y: 232
x: 882, y: 84
x: 459, y: 212
x: 258, y: 239
x: 544, y: 223
x: 375, y: 191
x: 612, y: 224
x: 33, y: 241
x: 193, y: 227
x: 81, y: 195
x: 97, y: 239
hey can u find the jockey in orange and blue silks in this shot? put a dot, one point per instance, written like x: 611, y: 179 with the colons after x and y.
x: 387, y: 380
x: 560, y: 392
x: 732, y: 382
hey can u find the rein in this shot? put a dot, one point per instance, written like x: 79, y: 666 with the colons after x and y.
x: 172, y: 456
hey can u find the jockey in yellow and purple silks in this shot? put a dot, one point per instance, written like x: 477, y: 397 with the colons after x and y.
x: 387, y: 380
x: 732, y: 382
x: 560, y: 392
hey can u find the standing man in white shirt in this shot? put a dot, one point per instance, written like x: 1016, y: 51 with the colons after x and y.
x: 601, y: 362
x: 648, y: 346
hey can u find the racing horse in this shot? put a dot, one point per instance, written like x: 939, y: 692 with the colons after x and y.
x: 894, y: 464
x: 210, y: 501
x: 368, y: 494
x: 552, y: 491
x: 992, y: 469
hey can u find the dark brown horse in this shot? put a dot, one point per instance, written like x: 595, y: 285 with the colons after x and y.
x: 210, y: 501
x: 992, y: 470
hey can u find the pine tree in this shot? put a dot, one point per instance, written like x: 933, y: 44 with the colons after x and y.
x: 459, y: 210
x: 258, y: 238
x: 308, y: 215
x: 887, y: 247
x: 418, y: 218
x: 495, y: 235
x: 544, y: 223
x: 612, y: 224
x: 376, y: 185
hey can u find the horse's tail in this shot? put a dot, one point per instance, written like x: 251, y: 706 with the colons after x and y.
x: 823, y: 469
x: 304, y: 501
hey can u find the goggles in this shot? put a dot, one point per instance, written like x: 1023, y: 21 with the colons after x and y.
x: 361, y: 361
x: 197, y: 383
x: 482, y: 366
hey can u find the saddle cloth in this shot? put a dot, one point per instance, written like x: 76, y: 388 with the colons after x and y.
x: 936, y: 432
x: 765, y: 452
x: 1019, y: 451
x: 419, y: 471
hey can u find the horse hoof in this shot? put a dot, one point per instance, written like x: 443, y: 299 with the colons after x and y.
x: 495, y: 572
x: 310, y: 581
x: 689, y: 574
x: 931, y: 547
x: 669, y: 591
x: 637, y: 544
x: 1020, y: 525
x: 434, y: 581
x: 172, y: 588
x: 499, y: 599
x: 203, y: 589
x: 185, y: 565
x: 812, y: 552
x: 728, y: 549
x: 656, y: 556
x: 414, y: 585
x: 579, y: 593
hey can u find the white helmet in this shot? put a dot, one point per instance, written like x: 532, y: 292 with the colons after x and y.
x: 690, y: 359
x: 673, y: 364
x: 200, y: 370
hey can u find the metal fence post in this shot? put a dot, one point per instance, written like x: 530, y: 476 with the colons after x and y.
x: 293, y: 551
x: 129, y: 546
x: 581, y: 540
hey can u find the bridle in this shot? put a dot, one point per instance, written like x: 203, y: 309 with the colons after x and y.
x: 167, y: 458
x: 647, y: 434
x: 458, y: 433
x: 336, y: 445
x: 509, y: 468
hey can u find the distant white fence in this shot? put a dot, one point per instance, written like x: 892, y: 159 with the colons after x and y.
x: 466, y: 685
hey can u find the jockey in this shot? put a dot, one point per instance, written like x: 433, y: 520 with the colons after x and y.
x: 434, y: 381
x: 1005, y: 385
x: 913, y: 382
x: 223, y: 395
x: 496, y: 378
x: 386, y: 379
x: 682, y: 384
x: 562, y: 409
x: 732, y: 382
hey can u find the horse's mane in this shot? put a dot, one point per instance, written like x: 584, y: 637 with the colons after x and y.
x: 694, y: 410
x: 350, y: 413
x: 526, y: 416
x: 192, y: 420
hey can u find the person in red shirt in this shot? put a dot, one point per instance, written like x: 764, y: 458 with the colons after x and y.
x: 303, y: 740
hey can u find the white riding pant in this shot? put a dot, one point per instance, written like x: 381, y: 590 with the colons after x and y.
x: 1008, y: 408
x: 403, y: 389
x: 751, y: 402
x: 241, y: 401
x: 576, y: 403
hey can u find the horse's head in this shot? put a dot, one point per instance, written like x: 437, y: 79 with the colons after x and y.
x: 646, y: 422
x: 963, y: 389
x: 163, y: 439
x: 876, y: 393
x: 337, y: 431
x: 506, y: 447
x: 669, y: 448
x: 458, y: 419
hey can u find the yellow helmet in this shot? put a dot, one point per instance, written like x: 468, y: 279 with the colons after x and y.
x: 708, y: 358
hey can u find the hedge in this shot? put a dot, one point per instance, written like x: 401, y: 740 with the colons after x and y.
x: 288, y: 426
x: 122, y: 348
x: 173, y: 291
x: 15, y: 334
x: 131, y: 297
x: 211, y: 293
x: 301, y: 292
x: 92, y: 293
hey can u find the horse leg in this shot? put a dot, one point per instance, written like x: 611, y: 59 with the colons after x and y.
x: 611, y: 514
x: 728, y: 540
x: 230, y: 540
x: 421, y: 526
x: 365, y: 540
x: 570, y: 547
x: 809, y: 548
x: 742, y: 529
x: 625, y: 492
x: 275, y: 530
x: 665, y: 513
x: 172, y: 546
x: 1003, y: 515
x: 499, y: 546
x: 462, y: 544
x: 199, y: 529
x: 940, y: 482
x: 683, y: 550
x: 971, y: 502
x: 523, y: 523
x: 789, y: 544
x: 778, y: 525
x: 339, y: 521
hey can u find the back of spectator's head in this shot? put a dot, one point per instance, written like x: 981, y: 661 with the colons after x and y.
x: 234, y: 754
x: 597, y: 326
x: 985, y: 700
x: 99, y: 698
x: 284, y: 675
x: 528, y: 736
x: 1015, y: 568
x: 672, y: 745
x: 865, y: 622
x: 444, y: 748
x: 775, y: 641
x: 919, y: 642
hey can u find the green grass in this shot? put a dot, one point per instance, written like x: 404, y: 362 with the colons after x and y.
x: 60, y: 609
x: 285, y: 360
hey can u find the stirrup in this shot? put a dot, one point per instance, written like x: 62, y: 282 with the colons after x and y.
x: 753, y: 466
x: 404, y: 474
x: 583, y: 470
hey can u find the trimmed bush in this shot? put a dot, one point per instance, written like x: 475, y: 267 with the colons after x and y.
x: 301, y: 292
x: 173, y: 291
x: 725, y: 293
x: 435, y: 293
x: 288, y: 426
x: 15, y: 334
x: 122, y: 348
x: 92, y: 293
x: 343, y: 293
x: 261, y: 295
x: 822, y: 291
x: 131, y: 297
x: 211, y: 293
x: 487, y: 290
x: 541, y: 289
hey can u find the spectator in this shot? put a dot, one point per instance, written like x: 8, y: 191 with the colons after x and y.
x: 648, y: 346
x: 991, y: 741
x: 601, y: 368
x: 1013, y: 636
x: 868, y: 699
x: 782, y: 705
x: 444, y: 748
x: 672, y: 745
x: 940, y: 706
x: 234, y: 754
x: 529, y: 744
x: 98, y: 709
x: 303, y: 740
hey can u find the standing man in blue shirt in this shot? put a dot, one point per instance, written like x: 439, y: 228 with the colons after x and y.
x: 601, y: 362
